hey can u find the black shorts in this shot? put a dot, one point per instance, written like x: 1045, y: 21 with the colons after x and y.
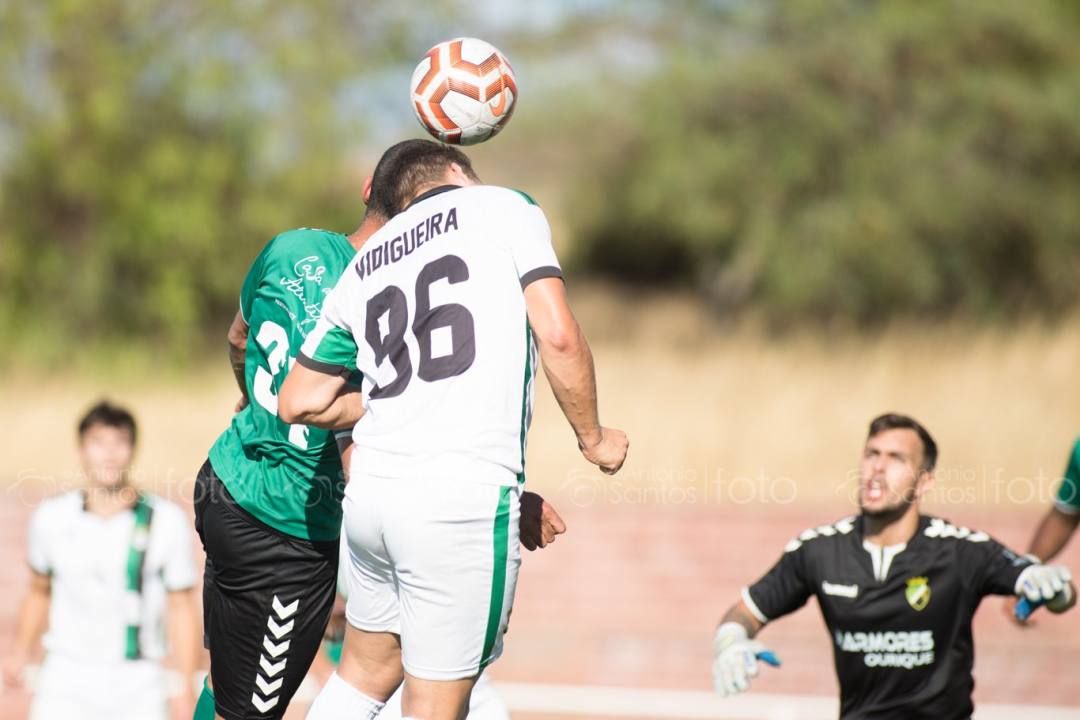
x: 267, y: 598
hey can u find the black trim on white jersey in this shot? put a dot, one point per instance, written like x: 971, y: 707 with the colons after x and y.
x: 323, y: 367
x: 549, y: 271
x: 431, y: 193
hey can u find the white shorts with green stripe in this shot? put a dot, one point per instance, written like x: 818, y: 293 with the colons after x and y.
x: 435, y: 561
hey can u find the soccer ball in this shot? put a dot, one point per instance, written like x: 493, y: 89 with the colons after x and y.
x: 463, y: 91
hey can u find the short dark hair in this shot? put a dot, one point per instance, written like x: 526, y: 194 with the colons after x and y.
x: 105, y: 413
x: 407, y: 166
x: 895, y: 421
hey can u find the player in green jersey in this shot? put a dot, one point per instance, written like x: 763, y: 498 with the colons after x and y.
x: 268, y: 498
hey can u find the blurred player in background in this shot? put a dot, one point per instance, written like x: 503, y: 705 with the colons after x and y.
x: 112, y: 578
x: 897, y: 590
x: 1060, y: 521
x: 440, y: 312
x: 268, y: 498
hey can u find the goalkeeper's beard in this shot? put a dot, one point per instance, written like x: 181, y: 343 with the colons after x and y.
x: 888, y: 514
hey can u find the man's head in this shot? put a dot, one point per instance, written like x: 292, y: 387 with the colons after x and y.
x: 107, y: 445
x: 410, y: 168
x: 897, y: 466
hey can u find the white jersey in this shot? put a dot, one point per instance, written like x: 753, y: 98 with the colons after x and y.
x: 87, y: 556
x: 431, y: 311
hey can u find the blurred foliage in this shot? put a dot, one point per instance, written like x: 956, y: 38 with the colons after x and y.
x: 837, y: 160
x: 148, y: 148
x: 850, y: 160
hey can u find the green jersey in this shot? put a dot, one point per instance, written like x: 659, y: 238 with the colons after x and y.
x: 1068, y: 497
x: 287, y: 476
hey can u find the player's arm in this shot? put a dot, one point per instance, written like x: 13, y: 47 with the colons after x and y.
x: 318, y: 397
x: 321, y: 388
x: 1053, y: 533
x: 567, y: 360
x: 990, y: 568
x: 32, y: 619
x: 237, y: 336
x: 1060, y: 522
x: 568, y: 365
x: 740, y: 614
x: 785, y: 588
x: 182, y: 633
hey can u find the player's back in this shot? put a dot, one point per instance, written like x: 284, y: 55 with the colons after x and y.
x: 286, y: 475
x: 435, y: 304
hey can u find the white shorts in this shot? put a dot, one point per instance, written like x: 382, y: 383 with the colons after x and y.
x: 68, y: 689
x: 437, y: 563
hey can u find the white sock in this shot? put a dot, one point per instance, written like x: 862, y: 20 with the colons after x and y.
x: 339, y: 700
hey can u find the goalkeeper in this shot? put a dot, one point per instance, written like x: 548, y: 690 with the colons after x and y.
x: 897, y: 590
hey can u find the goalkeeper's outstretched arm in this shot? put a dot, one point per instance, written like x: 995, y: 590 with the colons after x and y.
x: 735, y: 652
x: 739, y: 613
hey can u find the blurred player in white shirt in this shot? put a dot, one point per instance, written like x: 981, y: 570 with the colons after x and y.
x: 110, y: 566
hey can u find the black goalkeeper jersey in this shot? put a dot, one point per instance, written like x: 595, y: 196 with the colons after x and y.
x: 899, y: 617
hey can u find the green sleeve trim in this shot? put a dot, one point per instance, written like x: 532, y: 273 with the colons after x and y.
x: 527, y: 196
x: 1068, y: 495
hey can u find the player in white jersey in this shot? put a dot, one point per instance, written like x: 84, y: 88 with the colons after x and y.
x: 443, y: 312
x: 110, y: 567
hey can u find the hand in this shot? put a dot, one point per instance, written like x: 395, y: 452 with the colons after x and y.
x: 735, y: 659
x: 14, y: 665
x: 241, y: 404
x: 539, y: 522
x: 1048, y: 585
x: 608, y: 451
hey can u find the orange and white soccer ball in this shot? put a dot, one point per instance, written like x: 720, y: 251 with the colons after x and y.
x: 463, y: 91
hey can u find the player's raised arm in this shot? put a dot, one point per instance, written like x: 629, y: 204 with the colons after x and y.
x: 564, y: 352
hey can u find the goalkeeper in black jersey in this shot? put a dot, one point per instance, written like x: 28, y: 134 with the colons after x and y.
x: 897, y: 590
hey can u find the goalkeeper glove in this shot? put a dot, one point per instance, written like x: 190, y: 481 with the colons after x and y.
x: 1046, y: 584
x: 735, y: 659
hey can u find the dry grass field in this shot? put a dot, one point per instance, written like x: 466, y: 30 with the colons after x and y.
x: 735, y: 416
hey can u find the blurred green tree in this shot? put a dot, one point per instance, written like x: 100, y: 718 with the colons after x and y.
x: 850, y: 160
x: 148, y: 148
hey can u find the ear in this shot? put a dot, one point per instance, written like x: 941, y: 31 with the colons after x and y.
x: 456, y: 175
x: 924, y: 484
x: 367, y: 189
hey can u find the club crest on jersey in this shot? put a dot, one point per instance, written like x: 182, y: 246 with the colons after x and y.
x: 917, y: 592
